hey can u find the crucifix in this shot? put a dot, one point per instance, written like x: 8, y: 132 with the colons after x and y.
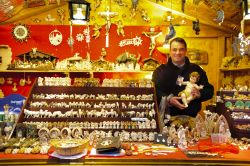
x: 107, y: 15
x: 152, y: 35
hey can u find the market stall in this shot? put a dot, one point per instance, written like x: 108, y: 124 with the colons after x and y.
x: 78, y: 83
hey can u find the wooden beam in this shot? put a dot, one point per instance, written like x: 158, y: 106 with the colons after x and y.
x: 24, y: 13
x: 192, y: 14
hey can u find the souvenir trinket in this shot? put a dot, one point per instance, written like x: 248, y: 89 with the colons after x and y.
x: 54, y: 133
x: 55, y: 37
x: 21, y: 32
x: 20, y: 130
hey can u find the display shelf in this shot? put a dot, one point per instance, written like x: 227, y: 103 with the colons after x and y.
x: 129, y: 113
x: 74, y: 71
x: 234, y: 100
x: 242, y: 133
x: 240, y: 110
x: 222, y: 109
x: 232, y: 92
x: 235, y: 69
x: 242, y: 121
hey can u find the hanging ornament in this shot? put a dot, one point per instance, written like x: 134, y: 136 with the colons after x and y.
x: 49, y: 18
x: 61, y: 14
x: 144, y: 15
x: 171, y: 33
x: 220, y: 16
x: 80, y: 37
x: 22, y: 82
x: 196, y: 27
x: 21, y: 32
x: 28, y: 81
x: 70, y: 39
x: 2, y: 80
x: 86, y: 32
x: 55, y: 37
x: 96, y: 30
x: 120, y: 30
x: 97, y: 4
x: 87, y: 38
x: 14, y: 89
x: 136, y: 41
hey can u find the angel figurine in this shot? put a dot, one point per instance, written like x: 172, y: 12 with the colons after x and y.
x: 186, y: 95
x: 144, y: 15
x: 96, y: 29
x: 120, y: 30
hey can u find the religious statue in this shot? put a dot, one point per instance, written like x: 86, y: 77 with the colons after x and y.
x: 97, y: 4
x: 103, y: 54
x: 6, y: 113
x: 61, y: 14
x: 186, y: 95
x: 132, y: 13
x: 108, y: 15
x: 182, y: 140
x: 144, y: 15
x: 222, y: 128
x: 96, y: 29
x: 152, y: 35
x: 120, y: 30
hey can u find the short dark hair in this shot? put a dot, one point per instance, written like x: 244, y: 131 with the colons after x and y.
x: 179, y: 40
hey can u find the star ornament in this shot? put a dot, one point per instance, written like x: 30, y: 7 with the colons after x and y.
x: 86, y: 31
x: 137, y: 41
x: 21, y: 32
x: 80, y: 37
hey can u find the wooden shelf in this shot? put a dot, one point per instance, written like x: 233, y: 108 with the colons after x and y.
x: 72, y: 71
x: 235, y: 69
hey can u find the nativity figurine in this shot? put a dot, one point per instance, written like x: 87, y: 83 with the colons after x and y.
x: 186, y: 94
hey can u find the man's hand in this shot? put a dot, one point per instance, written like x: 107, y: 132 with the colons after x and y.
x: 174, y: 101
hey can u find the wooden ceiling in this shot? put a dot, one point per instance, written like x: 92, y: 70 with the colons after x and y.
x: 183, y: 14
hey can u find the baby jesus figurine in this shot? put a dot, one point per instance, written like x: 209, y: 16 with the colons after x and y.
x: 186, y: 95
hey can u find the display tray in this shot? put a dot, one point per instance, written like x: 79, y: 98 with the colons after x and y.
x: 72, y: 157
